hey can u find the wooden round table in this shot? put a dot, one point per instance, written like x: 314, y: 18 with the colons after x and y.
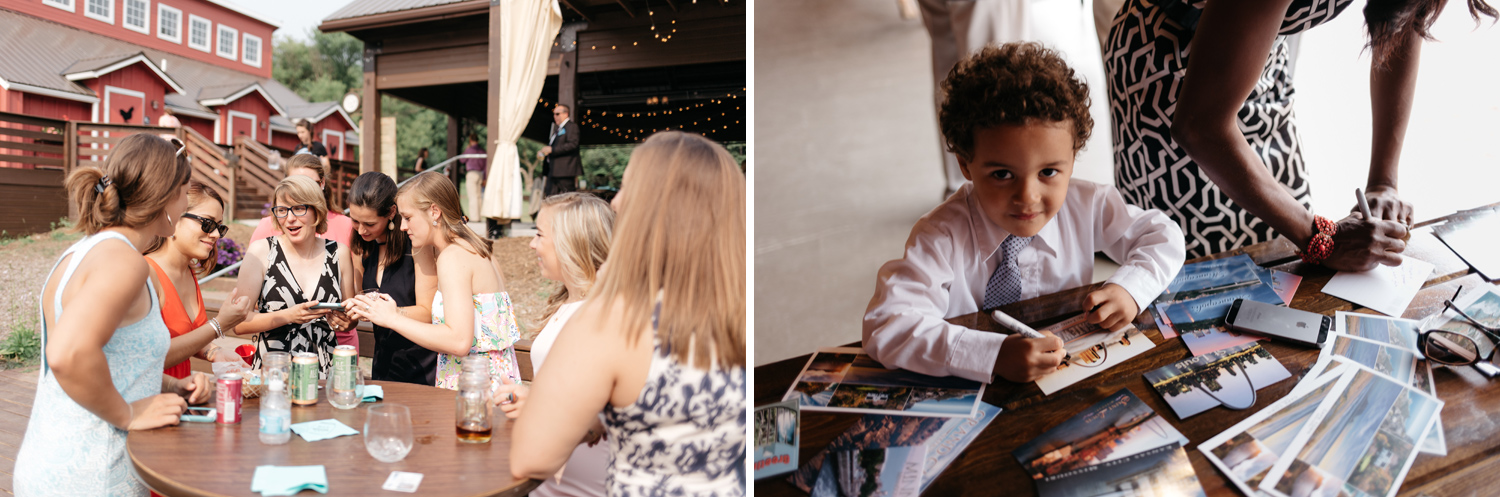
x: 204, y: 459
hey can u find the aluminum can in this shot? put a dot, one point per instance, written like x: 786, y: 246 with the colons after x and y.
x: 228, y: 398
x: 304, y: 381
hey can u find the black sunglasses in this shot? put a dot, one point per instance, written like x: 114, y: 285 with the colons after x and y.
x: 208, y: 225
x: 1453, y: 348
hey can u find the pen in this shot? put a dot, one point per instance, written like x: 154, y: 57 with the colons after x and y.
x: 1014, y: 325
x: 1364, y: 204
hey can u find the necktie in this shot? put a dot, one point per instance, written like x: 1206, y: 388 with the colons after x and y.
x: 1005, y: 283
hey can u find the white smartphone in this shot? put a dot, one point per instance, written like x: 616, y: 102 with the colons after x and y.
x: 1282, y: 323
x: 335, y: 306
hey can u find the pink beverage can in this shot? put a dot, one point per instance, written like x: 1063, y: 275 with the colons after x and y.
x: 228, y: 399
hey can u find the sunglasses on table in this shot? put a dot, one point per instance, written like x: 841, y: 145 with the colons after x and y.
x: 208, y: 225
x: 1453, y: 348
x: 296, y: 210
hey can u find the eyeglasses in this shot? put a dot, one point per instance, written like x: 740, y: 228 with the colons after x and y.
x: 208, y: 225
x: 559, y: 113
x: 296, y: 210
x: 1453, y: 348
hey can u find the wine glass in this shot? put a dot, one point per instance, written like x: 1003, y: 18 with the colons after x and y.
x: 388, y: 432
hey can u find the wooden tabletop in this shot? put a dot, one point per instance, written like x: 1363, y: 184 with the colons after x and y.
x: 208, y: 459
x: 1472, y: 466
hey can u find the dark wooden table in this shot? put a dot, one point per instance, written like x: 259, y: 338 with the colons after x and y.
x: 203, y: 459
x: 1471, y: 416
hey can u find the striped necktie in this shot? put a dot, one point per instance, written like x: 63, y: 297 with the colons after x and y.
x: 1005, y: 283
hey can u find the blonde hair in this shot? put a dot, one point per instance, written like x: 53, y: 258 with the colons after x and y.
x: 313, y: 163
x: 133, y: 187
x: 582, y: 228
x: 428, y: 189
x: 301, y: 190
x: 682, y: 237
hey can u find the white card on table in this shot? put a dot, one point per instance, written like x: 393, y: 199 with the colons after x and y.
x: 402, y: 481
x: 1386, y: 289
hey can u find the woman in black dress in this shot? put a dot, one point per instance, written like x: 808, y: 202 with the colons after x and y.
x: 1219, y: 151
x: 383, y: 259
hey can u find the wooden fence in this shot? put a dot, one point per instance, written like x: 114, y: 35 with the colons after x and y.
x: 33, y: 155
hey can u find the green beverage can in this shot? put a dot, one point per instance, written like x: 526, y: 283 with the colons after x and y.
x: 304, y: 378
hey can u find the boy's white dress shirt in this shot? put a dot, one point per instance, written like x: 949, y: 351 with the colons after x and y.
x: 954, y: 248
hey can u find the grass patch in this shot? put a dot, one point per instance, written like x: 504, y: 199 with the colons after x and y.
x: 23, y: 347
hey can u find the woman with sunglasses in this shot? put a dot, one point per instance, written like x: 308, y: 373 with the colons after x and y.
x: 294, y: 271
x: 179, y: 260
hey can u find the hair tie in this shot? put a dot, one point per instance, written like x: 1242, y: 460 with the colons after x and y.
x: 466, y: 218
x: 104, y: 181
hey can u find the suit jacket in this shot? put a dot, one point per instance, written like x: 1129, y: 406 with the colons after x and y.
x: 564, y: 161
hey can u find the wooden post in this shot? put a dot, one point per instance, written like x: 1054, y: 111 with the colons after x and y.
x: 70, y: 161
x: 455, y: 140
x: 233, y: 201
x: 492, y: 121
x: 369, y: 125
x: 567, y: 83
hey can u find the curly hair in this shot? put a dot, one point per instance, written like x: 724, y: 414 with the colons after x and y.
x: 1390, y: 23
x: 1011, y: 84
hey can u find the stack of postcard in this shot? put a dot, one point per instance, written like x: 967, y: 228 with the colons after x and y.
x: 1227, y: 377
x: 884, y: 471
x: 1473, y: 235
x: 1388, y: 346
x: 936, y: 442
x: 845, y: 379
x: 1115, y: 440
x: 1351, y: 431
x: 1195, y: 303
x: 776, y: 438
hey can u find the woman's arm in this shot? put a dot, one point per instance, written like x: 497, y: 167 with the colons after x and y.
x: 456, y: 335
x: 424, y: 267
x: 252, y: 277
x: 1392, y: 88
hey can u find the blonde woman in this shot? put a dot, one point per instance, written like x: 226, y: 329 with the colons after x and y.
x: 292, y: 272
x: 663, y: 329
x: 573, y: 232
x: 471, y: 312
x: 103, y: 339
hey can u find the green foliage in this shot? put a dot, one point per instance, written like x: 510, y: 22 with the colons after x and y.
x: 609, y: 160
x: 417, y: 127
x: 23, y: 346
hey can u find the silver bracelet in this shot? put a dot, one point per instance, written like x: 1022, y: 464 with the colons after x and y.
x: 217, y: 330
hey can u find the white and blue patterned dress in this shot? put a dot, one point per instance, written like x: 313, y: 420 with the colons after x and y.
x: 68, y: 450
x: 684, y: 435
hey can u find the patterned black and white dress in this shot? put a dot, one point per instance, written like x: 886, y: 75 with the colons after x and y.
x: 281, y: 290
x: 684, y: 435
x: 1145, y: 64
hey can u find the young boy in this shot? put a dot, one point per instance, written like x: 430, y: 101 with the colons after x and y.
x: 1015, y: 116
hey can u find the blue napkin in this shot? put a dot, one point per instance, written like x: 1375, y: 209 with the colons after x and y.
x: 322, y: 429
x: 288, y: 480
x: 373, y: 393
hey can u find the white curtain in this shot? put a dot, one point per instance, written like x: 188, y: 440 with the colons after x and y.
x: 528, y: 29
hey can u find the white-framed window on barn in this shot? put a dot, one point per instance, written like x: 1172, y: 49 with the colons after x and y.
x: 198, y: 29
x: 251, y: 50
x: 103, y: 10
x: 229, y: 39
x: 168, y: 23
x: 61, y: 4
x: 138, y: 16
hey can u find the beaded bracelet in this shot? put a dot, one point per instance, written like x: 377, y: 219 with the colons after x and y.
x: 1321, y: 245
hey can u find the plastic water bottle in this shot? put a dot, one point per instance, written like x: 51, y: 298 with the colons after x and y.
x: 275, y: 415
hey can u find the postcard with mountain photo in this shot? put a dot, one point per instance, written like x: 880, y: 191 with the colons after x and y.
x: 845, y: 379
x: 1227, y: 377
x: 1116, y: 427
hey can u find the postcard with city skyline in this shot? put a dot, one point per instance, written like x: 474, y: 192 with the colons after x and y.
x: 1206, y: 278
x: 845, y: 379
x: 777, y: 438
x: 1116, y: 427
x: 1162, y: 471
x: 1229, y: 376
x: 1200, y: 321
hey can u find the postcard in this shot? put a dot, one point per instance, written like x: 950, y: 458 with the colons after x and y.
x: 1482, y: 304
x: 1395, y: 362
x: 1226, y: 377
x: 1247, y: 450
x: 1200, y: 321
x: 1435, y: 443
x: 1163, y: 470
x: 1091, y: 349
x: 1209, y: 277
x: 945, y: 439
x: 845, y: 379
x: 885, y: 472
x: 1284, y: 284
x: 1118, y: 426
x: 1386, y: 289
x: 1360, y: 442
x: 1393, y: 331
x: 777, y: 437
x: 1473, y: 239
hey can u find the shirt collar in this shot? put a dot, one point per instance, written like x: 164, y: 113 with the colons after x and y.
x: 987, y: 235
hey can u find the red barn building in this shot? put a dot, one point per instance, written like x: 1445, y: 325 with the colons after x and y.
x: 206, y: 62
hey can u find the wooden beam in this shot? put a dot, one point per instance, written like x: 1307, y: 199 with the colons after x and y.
x: 575, y: 8
x: 492, y: 113
x: 671, y: 4
x: 369, y: 126
x: 567, y: 82
x: 625, y: 7
x: 455, y: 130
x: 459, y: 9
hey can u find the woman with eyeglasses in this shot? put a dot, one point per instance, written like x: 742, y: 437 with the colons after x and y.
x: 294, y: 271
x: 178, y: 261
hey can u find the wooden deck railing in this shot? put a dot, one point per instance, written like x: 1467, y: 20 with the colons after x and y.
x: 210, y: 166
x: 94, y: 140
x: 253, y: 165
x: 33, y: 141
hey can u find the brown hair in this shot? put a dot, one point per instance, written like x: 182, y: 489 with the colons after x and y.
x: 313, y: 163
x: 429, y: 188
x: 305, y: 124
x: 582, y: 228
x: 376, y: 191
x: 1011, y: 84
x: 1391, y: 23
x: 681, y: 236
x: 135, y: 185
x: 301, y: 190
x: 197, y: 193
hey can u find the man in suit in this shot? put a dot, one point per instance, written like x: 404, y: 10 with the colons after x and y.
x: 561, y: 152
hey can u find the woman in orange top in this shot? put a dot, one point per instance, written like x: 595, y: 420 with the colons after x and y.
x: 179, y: 261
